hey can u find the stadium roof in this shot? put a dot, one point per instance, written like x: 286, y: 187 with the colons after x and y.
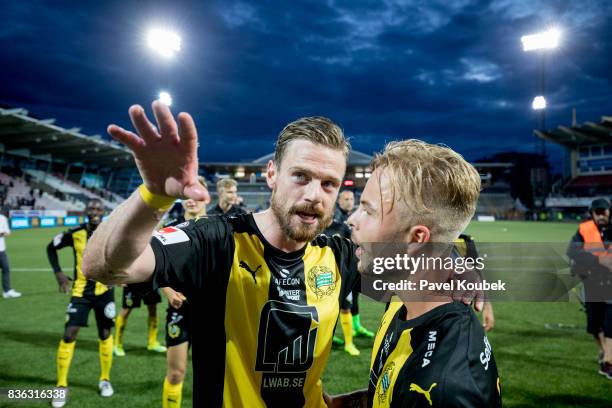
x: 24, y: 135
x: 588, y: 133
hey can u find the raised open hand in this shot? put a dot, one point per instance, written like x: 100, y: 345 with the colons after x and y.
x: 166, y: 155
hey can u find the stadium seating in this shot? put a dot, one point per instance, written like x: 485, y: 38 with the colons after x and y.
x: 70, y: 189
x: 22, y: 191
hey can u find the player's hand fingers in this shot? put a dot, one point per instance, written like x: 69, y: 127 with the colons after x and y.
x: 130, y: 139
x: 141, y: 123
x: 188, y: 134
x: 165, y: 121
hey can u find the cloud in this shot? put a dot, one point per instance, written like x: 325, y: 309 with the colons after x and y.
x: 479, y: 70
x: 238, y: 14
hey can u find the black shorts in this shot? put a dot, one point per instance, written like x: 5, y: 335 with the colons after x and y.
x: 178, y: 325
x: 599, y: 318
x: 134, y: 294
x: 103, y: 305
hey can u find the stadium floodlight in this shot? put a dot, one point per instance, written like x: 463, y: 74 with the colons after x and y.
x: 545, y: 40
x: 539, y: 103
x: 165, y: 42
x: 165, y: 98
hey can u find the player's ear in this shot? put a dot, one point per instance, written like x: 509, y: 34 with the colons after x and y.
x: 271, y: 173
x: 418, y: 234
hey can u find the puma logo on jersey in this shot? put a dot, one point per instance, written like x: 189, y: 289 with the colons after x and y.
x: 244, y: 265
x: 416, y: 388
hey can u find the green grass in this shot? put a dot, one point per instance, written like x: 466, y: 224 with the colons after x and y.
x: 539, y: 366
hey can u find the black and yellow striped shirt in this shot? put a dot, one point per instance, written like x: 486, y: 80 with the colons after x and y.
x: 77, y: 239
x: 263, y: 319
x: 440, y: 359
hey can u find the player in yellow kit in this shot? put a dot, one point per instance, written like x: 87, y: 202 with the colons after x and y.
x: 86, y: 295
x: 132, y: 297
x: 430, y: 350
x: 268, y: 285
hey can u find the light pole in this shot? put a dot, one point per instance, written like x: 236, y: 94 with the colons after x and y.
x: 541, y: 42
x: 165, y: 43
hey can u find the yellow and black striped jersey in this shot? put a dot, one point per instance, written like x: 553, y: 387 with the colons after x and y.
x: 77, y: 239
x: 440, y: 359
x: 263, y: 318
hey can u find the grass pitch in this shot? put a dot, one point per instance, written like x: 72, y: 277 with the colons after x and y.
x: 545, y: 357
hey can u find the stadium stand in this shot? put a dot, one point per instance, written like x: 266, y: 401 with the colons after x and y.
x: 21, y: 195
x: 70, y: 189
x: 588, y: 165
x: 48, y: 167
x: 66, y: 168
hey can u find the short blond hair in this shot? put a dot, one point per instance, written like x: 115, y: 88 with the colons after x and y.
x: 315, y: 129
x: 202, y: 181
x: 226, y: 183
x: 436, y: 185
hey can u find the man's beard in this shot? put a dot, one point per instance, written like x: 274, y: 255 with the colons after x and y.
x: 301, y: 232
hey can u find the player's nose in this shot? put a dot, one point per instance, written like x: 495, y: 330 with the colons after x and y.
x: 313, y: 192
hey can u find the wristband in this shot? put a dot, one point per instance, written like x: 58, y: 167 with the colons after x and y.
x: 155, y: 201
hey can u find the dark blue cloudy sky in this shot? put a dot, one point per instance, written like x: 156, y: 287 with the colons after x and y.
x: 444, y: 71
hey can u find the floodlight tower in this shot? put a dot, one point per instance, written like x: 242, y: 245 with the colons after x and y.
x: 165, y: 43
x: 541, y: 43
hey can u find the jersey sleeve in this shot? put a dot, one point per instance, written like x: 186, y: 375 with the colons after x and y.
x: 62, y: 240
x: 475, y: 381
x: 344, y: 251
x: 192, y: 256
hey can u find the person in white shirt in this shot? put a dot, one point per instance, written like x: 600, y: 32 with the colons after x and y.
x: 4, y: 263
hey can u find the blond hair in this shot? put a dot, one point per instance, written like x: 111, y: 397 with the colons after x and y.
x: 438, y: 188
x: 315, y: 129
x: 202, y: 181
x: 226, y: 183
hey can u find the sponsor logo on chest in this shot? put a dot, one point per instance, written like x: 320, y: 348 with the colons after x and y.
x: 431, y: 346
